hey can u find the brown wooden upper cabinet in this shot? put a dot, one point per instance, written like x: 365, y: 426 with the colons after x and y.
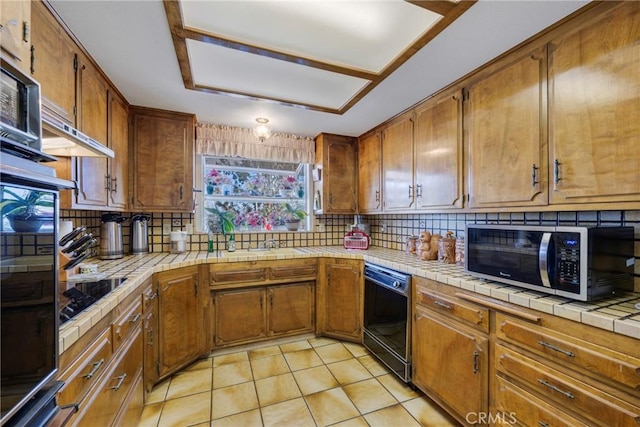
x: 594, y: 109
x: 162, y: 160
x: 507, y: 133
x: 370, y: 173
x: 53, y: 62
x: 336, y: 156
x: 397, y: 164
x: 15, y: 41
x: 437, y: 141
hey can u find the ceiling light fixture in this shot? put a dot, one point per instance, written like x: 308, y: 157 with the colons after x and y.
x: 261, y: 130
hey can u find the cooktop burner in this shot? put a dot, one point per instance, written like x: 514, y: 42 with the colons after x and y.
x: 84, y: 294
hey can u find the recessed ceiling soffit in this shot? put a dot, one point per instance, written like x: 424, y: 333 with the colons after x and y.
x: 323, y: 56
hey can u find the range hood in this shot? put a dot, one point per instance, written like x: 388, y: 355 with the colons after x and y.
x: 62, y: 140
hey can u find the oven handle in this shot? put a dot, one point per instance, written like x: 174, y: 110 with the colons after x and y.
x: 543, y: 259
x: 384, y: 285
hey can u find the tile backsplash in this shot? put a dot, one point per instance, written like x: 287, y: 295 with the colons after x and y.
x: 387, y: 231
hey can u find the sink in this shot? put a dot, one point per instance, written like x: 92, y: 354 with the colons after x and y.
x: 263, y: 252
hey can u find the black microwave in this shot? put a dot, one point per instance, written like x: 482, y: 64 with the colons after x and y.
x: 581, y: 263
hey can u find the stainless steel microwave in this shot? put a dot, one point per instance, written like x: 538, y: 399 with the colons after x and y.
x: 582, y: 263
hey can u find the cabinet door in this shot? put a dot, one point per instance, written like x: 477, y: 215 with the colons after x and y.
x: 594, y: 108
x: 291, y: 309
x: 340, y: 175
x: 162, y: 161
x: 15, y: 31
x: 438, y: 153
x: 397, y: 164
x: 446, y: 360
x: 119, y: 143
x: 180, y: 319
x: 240, y: 316
x: 53, y: 61
x: 370, y: 173
x: 343, y: 300
x: 507, y: 135
x: 91, y: 172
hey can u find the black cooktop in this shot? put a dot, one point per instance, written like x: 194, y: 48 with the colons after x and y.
x: 84, y: 294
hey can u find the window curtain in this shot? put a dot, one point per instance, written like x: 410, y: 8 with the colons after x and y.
x: 228, y: 141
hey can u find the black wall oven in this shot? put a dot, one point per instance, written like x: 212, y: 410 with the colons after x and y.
x: 387, y: 327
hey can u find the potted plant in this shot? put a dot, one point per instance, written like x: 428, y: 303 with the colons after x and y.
x: 293, y: 217
x: 225, y: 220
x: 22, y: 212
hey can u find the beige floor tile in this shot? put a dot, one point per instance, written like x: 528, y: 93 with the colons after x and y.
x: 189, y: 382
x: 369, y: 395
x: 159, y: 392
x: 331, y: 406
x: 353, y: 422
x: 264, y: 352
x: 295, y: 346
x: 356, y: 349
x: 397, y: 388
x: 292, y: 413
x: 303, y: 359
x: 394, y: 415
x: 321, y: 341
x: 250, y: 418
x: 428, y: 413
x: 230, y: 374
x: 333, y: 353
x: 349, y: 371
x: 201, y: 364
x: 373, y: 365
x: 233, y: 400
x: 186, y: 410
x: 269, y: 366
x: 277, y: 389
x: 226, y: 359
x: 150, y: 415
x: 316, y: 379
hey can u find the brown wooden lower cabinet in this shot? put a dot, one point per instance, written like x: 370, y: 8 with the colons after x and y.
x: 254, y: 314
x: 340, y: 299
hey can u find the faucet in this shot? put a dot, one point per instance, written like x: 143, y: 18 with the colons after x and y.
x: 270, y: 244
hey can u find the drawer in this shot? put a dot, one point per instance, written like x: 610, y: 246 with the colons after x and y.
x: 106, y: 399
x: 514, y: 403
x: 566, y: 392
x: 604, y: 362
x: 85, y: 371
x: 250, y: 274
x: 127, y: 321
x: 296, y: 270
x: 470, y: 314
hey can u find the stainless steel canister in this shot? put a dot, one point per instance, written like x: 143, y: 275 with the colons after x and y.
x: 139, y: 236
x: 111, y: 236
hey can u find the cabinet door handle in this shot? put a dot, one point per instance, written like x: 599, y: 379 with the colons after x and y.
x: 33, y: 59
x: 271, y: 300
x: 554, y: 348
x: 556, y: 171
x: 377, y: 195
x: 410, y: 191
x: 120, y: 379
x: 261, y: 302
x: 543, y: 424
x: 441, y: 304
x: 96, y: 368
x: 330, y: 198
x: 566, y: 394
x: 181, y: 192
x: 150, y: 333
x: 419, y: 188
x: 476, y: 362
x: 534, y: 175
x: 107, y: 182
x: 135, y: 318
x: 153, y: 296
x: 114, y: 183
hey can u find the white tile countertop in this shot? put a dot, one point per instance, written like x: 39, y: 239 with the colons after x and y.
x: 617, y: 314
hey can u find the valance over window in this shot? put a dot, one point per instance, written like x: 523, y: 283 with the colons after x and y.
x: 228, y: 141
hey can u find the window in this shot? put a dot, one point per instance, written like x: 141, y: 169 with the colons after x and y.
x: 255, y: 195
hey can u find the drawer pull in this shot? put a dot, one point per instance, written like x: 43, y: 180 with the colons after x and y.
x: 441, y: 304
x: 152, y: 296
x: 96, y: 368
x: 554, y: 348
x: 566, y: 394
x: 543, y: 424
x: 476, y: 359
x: 135, y: 318
x: 120, y: 379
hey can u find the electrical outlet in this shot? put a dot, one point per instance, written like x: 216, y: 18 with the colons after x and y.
x: 166, y: 229
x: 189, y: 228
x: 383, y: 226
x: 175, y: 222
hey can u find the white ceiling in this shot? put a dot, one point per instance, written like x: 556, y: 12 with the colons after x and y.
x: 132, y: 43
